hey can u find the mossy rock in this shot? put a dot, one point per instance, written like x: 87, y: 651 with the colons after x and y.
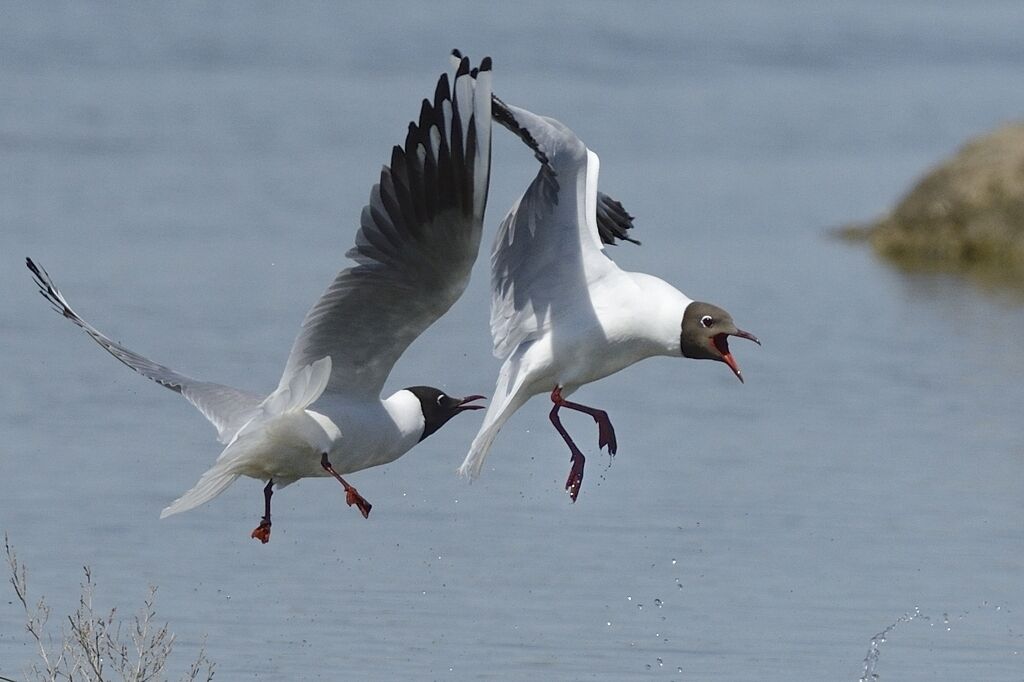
x: 967, y: 213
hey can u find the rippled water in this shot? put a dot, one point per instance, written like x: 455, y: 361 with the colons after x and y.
x: 191, y: 176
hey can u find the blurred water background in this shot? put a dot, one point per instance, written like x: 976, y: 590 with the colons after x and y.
x: 191, y: 175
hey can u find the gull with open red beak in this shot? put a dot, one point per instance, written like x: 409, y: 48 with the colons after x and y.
x: 563, y: 314
x: 705, y: 335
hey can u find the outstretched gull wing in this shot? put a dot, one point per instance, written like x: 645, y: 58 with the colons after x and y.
x: 535, y: 271
x: 227, y: 408
x: 418, y: 238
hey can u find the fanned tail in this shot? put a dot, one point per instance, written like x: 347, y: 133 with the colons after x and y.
x: 302, y: 389
x: 212, y: 483
x: 474, y: 461
x: 507, y: 398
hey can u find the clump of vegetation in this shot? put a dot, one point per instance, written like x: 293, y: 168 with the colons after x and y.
x: 97, y: 646
x: 966, y: 214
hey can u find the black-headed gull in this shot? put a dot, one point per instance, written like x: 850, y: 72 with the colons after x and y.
x: 418, y: 238
x: 562, y: 312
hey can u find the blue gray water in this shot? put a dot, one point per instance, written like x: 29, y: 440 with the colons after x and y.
x: 192, y: 175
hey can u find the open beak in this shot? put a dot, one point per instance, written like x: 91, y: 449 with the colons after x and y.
x: 463, y: 404
x: 722, y: 345
x: 746, y: 335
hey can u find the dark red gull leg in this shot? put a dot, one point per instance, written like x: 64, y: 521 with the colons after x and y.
x: 605, y: 437
x: 262, y: 531
x: 572, y: 484
x: 605, y: 430
x: 352, y: 496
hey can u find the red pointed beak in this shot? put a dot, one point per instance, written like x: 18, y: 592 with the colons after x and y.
x: 731, y: 361
x: 470, y: 398
x: 721, y: 343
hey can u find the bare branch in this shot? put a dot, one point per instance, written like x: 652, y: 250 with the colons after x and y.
x: 98, y: 647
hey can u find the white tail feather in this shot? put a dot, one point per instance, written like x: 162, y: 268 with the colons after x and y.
x: 504, y: 403
x: 212, y: 483
x: 303, y: 388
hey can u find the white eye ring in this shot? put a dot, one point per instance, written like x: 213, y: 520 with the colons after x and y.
x: 706, y: 321
x: 440, y: 399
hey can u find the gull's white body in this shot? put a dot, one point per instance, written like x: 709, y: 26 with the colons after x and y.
x: 562, y: 312
x: 286, y: 439
x: 418, y: 238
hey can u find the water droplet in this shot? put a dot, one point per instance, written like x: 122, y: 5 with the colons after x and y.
x: 657, y: 602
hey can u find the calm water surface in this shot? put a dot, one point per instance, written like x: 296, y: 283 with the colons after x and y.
x: 192, y: 177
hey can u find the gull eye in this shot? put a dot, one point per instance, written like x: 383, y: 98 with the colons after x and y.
x: 707, y: 321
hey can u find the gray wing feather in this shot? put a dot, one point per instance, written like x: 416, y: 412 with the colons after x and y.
x: 227, y: 408
x: 613, y: 220
x: 548, y: 249
x: 418, y: 238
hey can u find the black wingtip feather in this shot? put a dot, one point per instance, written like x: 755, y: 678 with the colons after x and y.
x: 425, y: 114
x: 433, y: 171
x: 613, y: 220
x: 442, y: 92
x: 503, y: 115
x: 49, y: 291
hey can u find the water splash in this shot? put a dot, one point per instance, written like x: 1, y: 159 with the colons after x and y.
x: 875, y: 650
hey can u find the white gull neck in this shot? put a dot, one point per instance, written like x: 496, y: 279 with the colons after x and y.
x: 658, y: 311
x: 405, y: 411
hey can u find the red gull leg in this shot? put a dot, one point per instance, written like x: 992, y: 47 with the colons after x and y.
x: 352, y: 496
x: 605, y: 430
x: 262, y: 531
x: 572, y: 484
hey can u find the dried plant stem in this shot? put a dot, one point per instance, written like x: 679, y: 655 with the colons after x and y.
x: 95, y: 647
